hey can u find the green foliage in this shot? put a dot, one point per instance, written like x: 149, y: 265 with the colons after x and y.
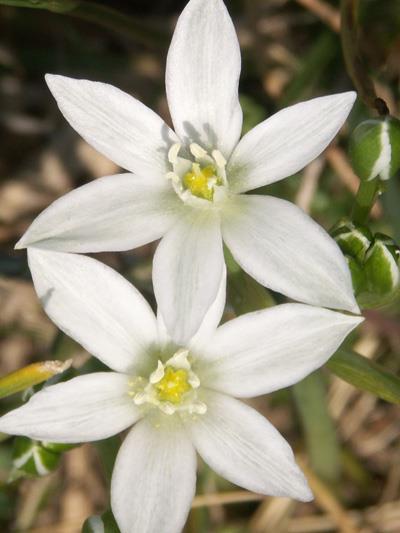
x: 253, y: 113
x: 320, y: 433
x: 365, y: 375
x: 244, y: 293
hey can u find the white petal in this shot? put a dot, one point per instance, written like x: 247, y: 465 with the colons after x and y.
x: 284, y: 249
x: 109, y: 214
x: 267, y: 350
x: 86, y: 408
x: 163, y: 335
x: 208, y: 326
x: 202, y: 77
x: 212, y: 318
x: 286, y: 142
x: 154, y: 480
x: 243, y: 447
x: 115, y: 124
x: 187, y: 272
x: 95, y: 306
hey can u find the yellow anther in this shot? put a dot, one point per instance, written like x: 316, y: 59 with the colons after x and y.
x: 173, y: 385
x: 200, y: 182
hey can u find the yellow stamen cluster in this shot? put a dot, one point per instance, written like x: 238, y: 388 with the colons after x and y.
x: 201, y: 181
x: 173, y: 385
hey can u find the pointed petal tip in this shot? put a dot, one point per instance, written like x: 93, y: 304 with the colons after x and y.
x: 55, y: 81
x: 302, y: 493
x: 356, y: 320
x: 306, y: 495
x: 353, y: 307
x: 352, y: 94
x: 26, y: 241
x: 349, y: 97
x: 51, y: 78
x: 357, y: 312
x: 20, y: 245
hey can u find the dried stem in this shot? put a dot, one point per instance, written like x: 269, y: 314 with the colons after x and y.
x: 355, y: 61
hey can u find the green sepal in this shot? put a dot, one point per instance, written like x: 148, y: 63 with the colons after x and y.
x: 367, y: 145
x: 354, y: 240
x: 357, y: 274
x: 57, y: 447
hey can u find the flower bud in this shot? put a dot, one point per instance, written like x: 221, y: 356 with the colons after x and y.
x: 373, y: 262
x: 35, y: 458
x: 382, y: 266
x: 31, y: 458
x: 375, y: 148
x: 353, y: 240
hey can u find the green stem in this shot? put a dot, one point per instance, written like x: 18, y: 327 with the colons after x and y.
x: 364, y: 200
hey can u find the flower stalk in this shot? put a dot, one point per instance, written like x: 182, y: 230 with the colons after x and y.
x: 365, y: 199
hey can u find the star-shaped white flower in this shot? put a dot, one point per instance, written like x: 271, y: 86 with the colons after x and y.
x: 188, y: 186
x: 179, y: 397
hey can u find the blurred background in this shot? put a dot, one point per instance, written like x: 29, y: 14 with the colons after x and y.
x: 348, y: 441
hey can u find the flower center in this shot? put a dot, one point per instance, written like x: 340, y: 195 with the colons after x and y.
x: 201, y: 181
x: 171, y: 387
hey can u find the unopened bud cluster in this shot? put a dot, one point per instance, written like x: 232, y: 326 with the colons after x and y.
x: 34, y: 458
x: 373, y: 261
x: 375, y: 148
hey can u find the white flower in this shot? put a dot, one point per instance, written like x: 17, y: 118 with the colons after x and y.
x: 189, y: 186
x: 180, y: 397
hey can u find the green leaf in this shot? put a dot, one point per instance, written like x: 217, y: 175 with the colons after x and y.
x: 320, y: 434
x: 365, y: 375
